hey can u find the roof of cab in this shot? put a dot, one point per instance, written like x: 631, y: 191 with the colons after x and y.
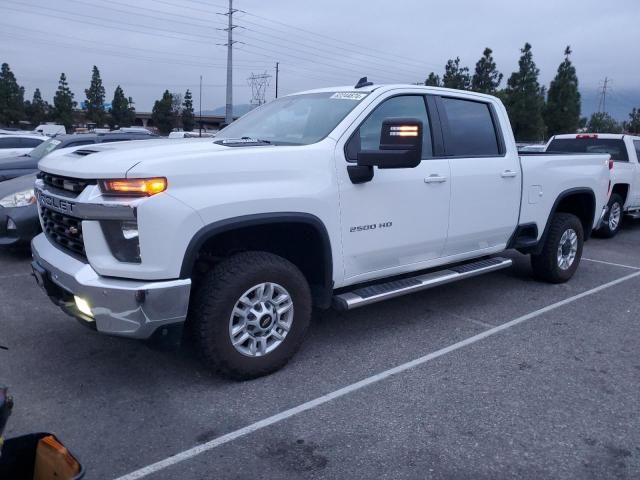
x: 386, y: 87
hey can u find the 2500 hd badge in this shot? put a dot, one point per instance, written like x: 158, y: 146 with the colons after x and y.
x: 373, y: 226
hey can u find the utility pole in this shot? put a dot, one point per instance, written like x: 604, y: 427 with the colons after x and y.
x: 277, y: 71
x: 228, y: 116
x: 200, y: 106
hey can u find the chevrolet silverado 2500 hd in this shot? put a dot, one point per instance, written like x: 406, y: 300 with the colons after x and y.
x: 341, y: 196
x: 625, y: 174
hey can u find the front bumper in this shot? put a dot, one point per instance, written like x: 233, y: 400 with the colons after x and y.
x: 25, y: 220
x: 129, y: 308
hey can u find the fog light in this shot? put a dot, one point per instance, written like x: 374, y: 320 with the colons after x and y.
x: 130, y: 230
x: 11, y: 225
x: 83, y: 306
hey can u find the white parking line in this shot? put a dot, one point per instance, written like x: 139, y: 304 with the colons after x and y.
x: 266, y: 422
x: 610, y: 263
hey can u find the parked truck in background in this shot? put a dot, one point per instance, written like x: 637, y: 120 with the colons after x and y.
x: 336, y: 197
x: 625, y: 174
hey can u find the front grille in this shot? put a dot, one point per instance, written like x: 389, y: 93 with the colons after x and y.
x: 74, y: 185
x: 64, y: 230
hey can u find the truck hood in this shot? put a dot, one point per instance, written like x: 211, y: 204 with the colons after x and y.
x: 114, y: 160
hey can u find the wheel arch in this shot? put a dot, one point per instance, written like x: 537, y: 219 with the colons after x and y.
x: 580, y: 202
x: 621, y: 189
x: 301, y: 238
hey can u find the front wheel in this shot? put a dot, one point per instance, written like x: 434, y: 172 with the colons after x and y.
x: 249, y: 314
x: 613, y: 220
x: 562, y: 250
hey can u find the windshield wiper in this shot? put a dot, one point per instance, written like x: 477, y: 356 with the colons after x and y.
x: 243, y: 141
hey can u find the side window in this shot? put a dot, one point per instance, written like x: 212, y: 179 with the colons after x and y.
x: 367, y: 137
x: 636, y: 143
x: 30, y: 142
x: 10, y: 143
x: 108, y: 140
x: 471, y: 131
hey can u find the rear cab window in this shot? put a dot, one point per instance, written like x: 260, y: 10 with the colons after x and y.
x: 636, y: 145
x: 469, y: 128
x: 613, y: 146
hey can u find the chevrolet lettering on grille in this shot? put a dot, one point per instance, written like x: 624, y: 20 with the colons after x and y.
x: 54, y: 203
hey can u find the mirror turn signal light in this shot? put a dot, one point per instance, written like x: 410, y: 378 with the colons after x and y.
x: 134, y: 186
x: 404, y: 131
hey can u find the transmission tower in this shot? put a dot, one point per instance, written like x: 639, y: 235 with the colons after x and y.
x: 602, y: 102
x: 259, y: 84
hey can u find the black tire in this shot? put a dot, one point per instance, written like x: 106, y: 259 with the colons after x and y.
x: 546, y: 265
x: 606, y: 231
x: 215, y: 297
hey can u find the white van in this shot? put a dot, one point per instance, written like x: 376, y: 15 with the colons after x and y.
x: 50, y: 130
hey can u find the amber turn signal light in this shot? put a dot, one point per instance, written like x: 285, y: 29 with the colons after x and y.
x: 134, y: 186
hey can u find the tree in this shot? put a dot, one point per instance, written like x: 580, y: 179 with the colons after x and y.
x: 562, y: 112
x: 95, y: 98
x: 633, y: 125
x: 188, y: 118
x: 456, y: 76
x: 63, y: 103
x: 11, y: 97
x: 432, y: 80
x: 486, y: 78
x: 163, y: 115
x: 524, y: 99
x: 37, y: 110
x: 122, y: 113
x: 602, y: 122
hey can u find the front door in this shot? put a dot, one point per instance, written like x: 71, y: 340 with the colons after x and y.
x: 397, y: 221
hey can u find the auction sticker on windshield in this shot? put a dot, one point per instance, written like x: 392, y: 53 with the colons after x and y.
x: 348, y: 95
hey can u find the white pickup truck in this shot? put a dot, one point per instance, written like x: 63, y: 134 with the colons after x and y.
x: 341, y: 196
x: 625, y: 174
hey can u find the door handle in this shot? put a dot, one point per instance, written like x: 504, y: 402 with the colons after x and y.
x: 435, y: 178
x: 508, y: 174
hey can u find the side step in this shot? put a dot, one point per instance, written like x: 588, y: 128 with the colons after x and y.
x: 396, y: 288
x: 635, y: 214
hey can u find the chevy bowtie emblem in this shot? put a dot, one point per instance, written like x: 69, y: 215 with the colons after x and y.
x: 73, y: 230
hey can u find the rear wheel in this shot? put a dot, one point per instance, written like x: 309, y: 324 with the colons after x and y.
x: 613, y: 219
x: 250, y: 314
x: 562, y: 250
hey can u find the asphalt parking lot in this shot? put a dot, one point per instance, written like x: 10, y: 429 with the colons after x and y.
x: 552, y: 392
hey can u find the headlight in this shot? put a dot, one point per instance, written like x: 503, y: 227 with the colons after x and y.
x: 19, y: 199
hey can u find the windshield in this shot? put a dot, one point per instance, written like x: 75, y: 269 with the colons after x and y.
x: 612, y: 146
x: 294, y: 120
x: 44, y: 148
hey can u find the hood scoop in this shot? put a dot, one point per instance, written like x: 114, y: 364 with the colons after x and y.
x: 83, y: 152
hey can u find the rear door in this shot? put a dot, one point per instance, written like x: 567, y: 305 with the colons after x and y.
x: 485, y: 178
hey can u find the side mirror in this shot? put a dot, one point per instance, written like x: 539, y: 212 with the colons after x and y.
x: 400, y: 145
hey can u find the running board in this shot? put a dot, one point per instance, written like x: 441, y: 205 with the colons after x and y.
x: 396, y: 288
x: 634, y: 214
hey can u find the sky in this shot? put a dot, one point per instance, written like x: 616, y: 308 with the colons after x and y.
x: 148, y: 46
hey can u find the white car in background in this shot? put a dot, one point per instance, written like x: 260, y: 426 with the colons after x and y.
x: 193, y: 134
x: 12, y: 145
